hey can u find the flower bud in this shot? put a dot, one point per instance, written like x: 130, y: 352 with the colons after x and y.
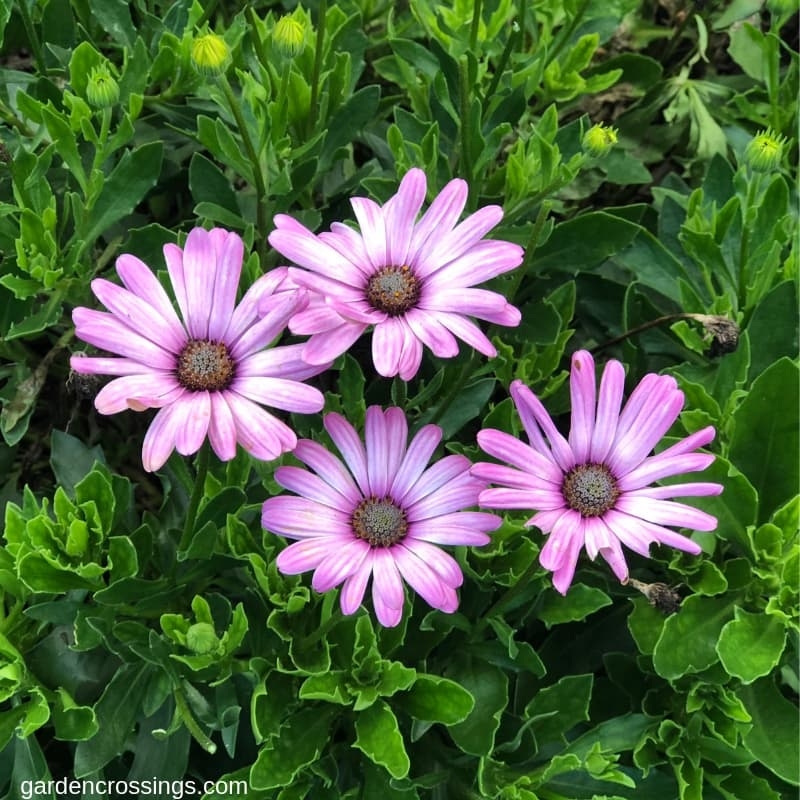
x: 201, y: 638
x: 289, y: 36
x: 210, y: 54
x: 102, y: 91
x: 765, y: 150
x: 599, y: 140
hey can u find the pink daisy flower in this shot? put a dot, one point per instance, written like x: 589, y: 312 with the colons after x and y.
x: 594, y: 489
x: 380, y: 513
x: 411, y: 280
x: 208, y: 372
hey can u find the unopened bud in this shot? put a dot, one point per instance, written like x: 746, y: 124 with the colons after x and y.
x: 102, y: 91
x: 289, y: 36
x: 765, y: 151
x: 599, y: 140
x: 201, y: 638
x: 210, y: 54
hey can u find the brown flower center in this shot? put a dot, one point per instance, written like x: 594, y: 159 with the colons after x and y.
x: 205, y: 366
x: 379, y: 522
x: 590, y: 489
x: 393, y: 290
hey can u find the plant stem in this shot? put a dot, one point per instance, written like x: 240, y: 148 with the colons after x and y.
x: 465, y: 156
x: 333, y: 620
x: 476, y: 21
x: 258, y: 172
x: 198, y: 490
x: 501, y: 65
x: 33, y: 39
x: 191, y: 723
x: 313, y: 110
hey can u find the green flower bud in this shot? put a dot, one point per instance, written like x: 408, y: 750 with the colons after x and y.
x: 599, y: 140
x: 210, y: 54
x: 765, y: 150
x: 289, y: 36
x: 201, y: 638
x: 102, y: 91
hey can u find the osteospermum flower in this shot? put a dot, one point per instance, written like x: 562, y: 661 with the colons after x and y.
x: 594, y: 488
x: 411, y: 280
x: 208, y: 372
x: 379, y: 513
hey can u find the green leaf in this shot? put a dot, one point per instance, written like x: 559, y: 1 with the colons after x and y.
x: 557, y: 709
x: 766, y: 438
x: 114, y: 17
x: 585, y: 242
x: 378, y: 737
x: 688, y: 641
x: 73, y: 722
x: 116, y: 712
x: 298, y: 744
x: 776, y: 729
x: 348, y: 122
x: 773, y: 328
x: 579, y: 603
x: 208, y: 183
x: 71, y: 460
x: 489, y: 688
x: 126, y: 186
x: 750, y: 645
x: 436, y: 699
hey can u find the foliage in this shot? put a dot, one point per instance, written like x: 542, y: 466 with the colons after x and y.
x: 143, y: 637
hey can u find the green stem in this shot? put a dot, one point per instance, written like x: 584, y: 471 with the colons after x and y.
x: 465, y: 156
x: 533, y: 243
x: 501, y: 66
x: 476, y: 21
x: 100, y: 152
x: 190, y: 722
x: 198, y: 490
x: 262, y: 221
x: 333, y: 620
x: 753, y: 190
x: 509, y: 595
x: 258, y: 45
x: 7, y: 624
x: 33, y: 39
x: 566, y: 33
x: 313, y: 109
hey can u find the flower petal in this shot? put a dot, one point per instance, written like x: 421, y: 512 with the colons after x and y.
x: 195, y: 418
x: 582, y: 393
x: 301, y: 518
x: 280, y: 393
x: 349, y: 444
x: 340, y: 563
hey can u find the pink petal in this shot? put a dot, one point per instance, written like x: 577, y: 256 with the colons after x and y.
x: 427, y: 328
x: 271, y: 325
x: 539, y: 499
x: 678, y: 490
x: 349, y: 444
x: 138, y: 278
x: 307, y: 554
x: 569, y: 543
x: 199, y: 274
x: 281, y: 393
x: 387, y: 588
x: 353, y: 589
x: 480, y: 303
x: 222, y: 427
x: 385, y: 435
x: 300, y: 518
x: 420, y: 577
x: 443, y: 564
x: 459, y: 493
x: 466, y: 330
x: 387, y: 346
x: 229, y: 254
x: 304, y: 483
x: 411, y: 355
x: 657, y: 467
x: 505, y: 447
x: 484, y: 260
x: 324, y: 348
x: 373, y: 230
x: 284, y: 361
x: 153, y: 390
x: 400, y: 214
x: 141, y: 316
x: 159, y: 441
x: 417, y: 456
x: 195, y: 408
x: 340, y: 563
x: 439, y: 219
x: 582, y: 392
x: 443, y: 471
x: 638, y: 534
x: 612, y: 386
x: 86, y: 365
x: 173, y: 256
x: 261, y: 434
x: 666, y: 512
x: 536, y: 422
x: 107, y: 332
x: 329, y: 468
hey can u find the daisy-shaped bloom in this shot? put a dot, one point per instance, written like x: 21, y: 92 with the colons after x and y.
x: 410, y: 279
x: 381, y: 513
x: 208, y: 372
x: 594, y: 488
